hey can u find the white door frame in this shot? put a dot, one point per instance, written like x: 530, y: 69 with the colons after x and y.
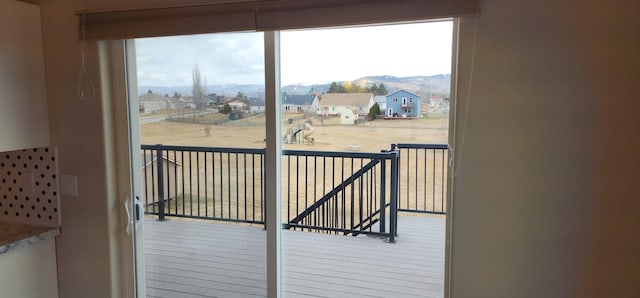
x: 123, y: 53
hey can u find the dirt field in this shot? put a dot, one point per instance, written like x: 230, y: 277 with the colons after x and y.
x: 370, y: 136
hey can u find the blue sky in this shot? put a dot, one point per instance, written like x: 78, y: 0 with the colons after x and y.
x: 307, y: 56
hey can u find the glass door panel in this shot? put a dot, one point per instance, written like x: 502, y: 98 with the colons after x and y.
x: 365, y: 127
x: 201, y: 132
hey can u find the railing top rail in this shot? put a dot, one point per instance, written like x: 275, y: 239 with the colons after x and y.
x: 204, y: 149
x: 422, y: 146
x: 371, y: 155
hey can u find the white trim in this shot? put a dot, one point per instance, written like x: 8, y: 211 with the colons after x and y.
x: 273, y: 156
x: 134, y: 145
x: 449, y: 228
x: 113, y: 59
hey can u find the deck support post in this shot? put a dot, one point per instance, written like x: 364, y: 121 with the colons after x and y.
x: 160, y: 180
x: 393, y: 217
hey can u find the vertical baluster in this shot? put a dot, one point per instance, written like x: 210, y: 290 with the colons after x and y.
x: 352, y: 197
x: 182, y: 180
x: 213, y: 184
x: 206, y: 194
x: 198, y: 181
x: 160, y: 181
x: 343, y: 197
x: 289, y: 188
x: 425, y: 179
x: 297, y: 194
x: 244, y: 157
x: 306, y: 188
x: 433, y: 183
x: 443, y: 183
x: 191, y: 181
x: 228, y: 185
x: 253, y: 187
x: 237, y: 189
x: 383, y: 203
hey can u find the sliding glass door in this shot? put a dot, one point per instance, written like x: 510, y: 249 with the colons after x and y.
x: 365, y: 123
x: 309, y: 163
x: 200, y: 153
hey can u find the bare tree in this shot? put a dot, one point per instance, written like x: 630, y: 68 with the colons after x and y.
x: 198, y: 89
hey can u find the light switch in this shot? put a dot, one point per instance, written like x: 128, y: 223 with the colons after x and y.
x: 69, y: 185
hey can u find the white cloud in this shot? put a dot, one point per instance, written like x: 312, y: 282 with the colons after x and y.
x: 306, y: 55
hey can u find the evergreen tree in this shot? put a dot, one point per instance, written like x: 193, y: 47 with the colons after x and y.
x: 373, y: 112
x: 373, y: 89
x: 226, y: 109
x: 382, y: 90
x: 333, y: 88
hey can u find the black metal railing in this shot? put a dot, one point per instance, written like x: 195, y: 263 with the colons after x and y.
x: 422, y: 178
x: 346, y: 193
x: 340, y: 192
x: 203, y: 182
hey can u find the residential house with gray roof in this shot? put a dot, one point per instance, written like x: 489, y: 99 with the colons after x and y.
x: 306, y: 103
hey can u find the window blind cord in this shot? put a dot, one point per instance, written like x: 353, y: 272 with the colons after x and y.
x: 465, y: 116
x: 86, y: 89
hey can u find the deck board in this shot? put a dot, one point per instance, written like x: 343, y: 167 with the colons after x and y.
x: 206, y: 259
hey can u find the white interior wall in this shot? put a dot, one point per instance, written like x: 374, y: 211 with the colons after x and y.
x: 545, y: 203
x: 544, y: 196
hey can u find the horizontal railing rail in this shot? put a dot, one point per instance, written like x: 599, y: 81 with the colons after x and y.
x: 422, y: 178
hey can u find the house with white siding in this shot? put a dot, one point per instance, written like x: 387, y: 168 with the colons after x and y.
x: 330, y: 104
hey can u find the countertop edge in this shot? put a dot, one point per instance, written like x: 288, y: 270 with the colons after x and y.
x: 29, y: 240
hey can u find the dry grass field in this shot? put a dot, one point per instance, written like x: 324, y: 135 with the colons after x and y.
x: 372, y: 136
x: 233, y: 192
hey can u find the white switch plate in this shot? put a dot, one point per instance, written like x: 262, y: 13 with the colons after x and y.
x: 69, y: 185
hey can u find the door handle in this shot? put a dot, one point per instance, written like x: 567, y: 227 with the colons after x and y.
x: 127, y: 202
x: 139, y: 209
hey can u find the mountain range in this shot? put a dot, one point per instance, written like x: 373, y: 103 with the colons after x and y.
x: 425, y: 86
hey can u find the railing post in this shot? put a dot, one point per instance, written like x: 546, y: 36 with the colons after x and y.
x: 263, y: 174
x: 383, y: 190
x: 159, y: 165
x: 393, y: 217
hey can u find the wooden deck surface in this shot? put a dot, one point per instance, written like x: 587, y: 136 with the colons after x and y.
x: 205, y: 259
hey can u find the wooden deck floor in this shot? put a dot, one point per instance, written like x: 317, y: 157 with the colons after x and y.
x: 203, y: 259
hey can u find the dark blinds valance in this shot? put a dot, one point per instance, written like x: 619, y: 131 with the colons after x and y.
x: 263, y: 15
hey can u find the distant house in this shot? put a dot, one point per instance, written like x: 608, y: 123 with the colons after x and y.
x: 436, y: 100
x: 299, y: 103
x: 347, y: 116
x: 150, y: 102
x: 404, y: 104
x: 256, y: 105
x: 189, y: 102
x: 381, y: 100
x: 149, y: 174
x: 235, y: 103
x: 330, y: 104
x: 179, y: 103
